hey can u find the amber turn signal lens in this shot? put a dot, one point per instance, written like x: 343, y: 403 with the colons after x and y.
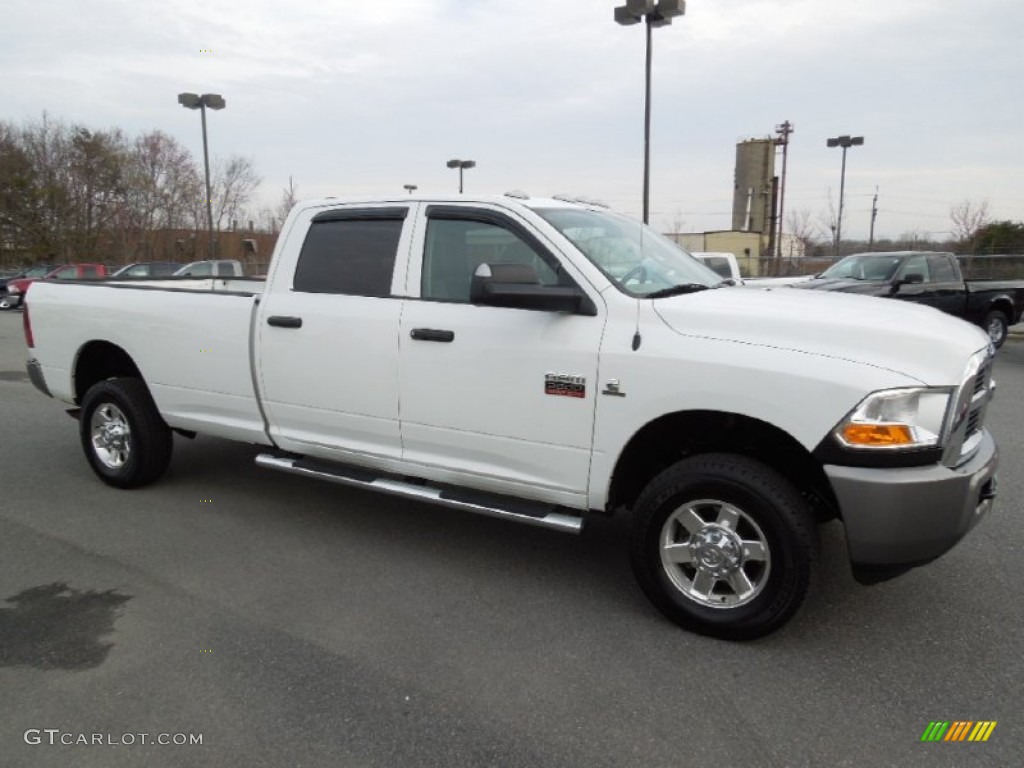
x: 877, y: 434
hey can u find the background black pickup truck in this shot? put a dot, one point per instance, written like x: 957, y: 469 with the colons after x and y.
x: 931, y: 278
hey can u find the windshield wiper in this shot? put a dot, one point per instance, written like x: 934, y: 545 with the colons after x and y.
x: 676, y: 290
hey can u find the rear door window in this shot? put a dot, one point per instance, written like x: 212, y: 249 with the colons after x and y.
x: 350, y: 252
x: 942, y: 269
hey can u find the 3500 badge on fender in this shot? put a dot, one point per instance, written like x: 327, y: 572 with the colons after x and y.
x: 565, y: 385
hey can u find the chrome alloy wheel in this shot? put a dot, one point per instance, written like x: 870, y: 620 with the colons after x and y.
x: 111, y: 436
x: 715, y: 554
x: 995, y: 330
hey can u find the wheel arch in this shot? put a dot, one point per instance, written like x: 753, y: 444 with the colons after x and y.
x: 675, y: 436
x: 1001, y: 304
x: 98, y: 360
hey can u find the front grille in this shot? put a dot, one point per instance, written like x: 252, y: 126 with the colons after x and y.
x: 981, y: 380
x: 973, y: 422
x: 971, y: 402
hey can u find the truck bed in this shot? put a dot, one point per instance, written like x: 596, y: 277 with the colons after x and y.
x: 190, y: 338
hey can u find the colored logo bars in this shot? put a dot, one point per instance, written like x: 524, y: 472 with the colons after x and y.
x: 958, y: 730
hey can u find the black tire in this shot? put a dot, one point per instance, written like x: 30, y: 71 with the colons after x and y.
x: 140, y: 458
x: 995, y: 325
x: 770, y: 512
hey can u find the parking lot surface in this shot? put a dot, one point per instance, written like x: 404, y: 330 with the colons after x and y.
x: 289, y: 622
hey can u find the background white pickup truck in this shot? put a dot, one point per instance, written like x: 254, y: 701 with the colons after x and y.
x: 537, y: 360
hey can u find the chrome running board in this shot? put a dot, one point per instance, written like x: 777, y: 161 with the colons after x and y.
x: 479, y: 502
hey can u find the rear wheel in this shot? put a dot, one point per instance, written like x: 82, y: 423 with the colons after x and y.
x: 996, y: 324
x: 123, y: 435
x: 723, y: 545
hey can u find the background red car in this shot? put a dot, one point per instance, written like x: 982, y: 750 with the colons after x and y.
x: 16, y: 288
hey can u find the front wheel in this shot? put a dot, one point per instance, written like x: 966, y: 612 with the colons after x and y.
x: 123, y: 435
x: 6, y: 302
x: 724, y: 546
x: 995, y: 325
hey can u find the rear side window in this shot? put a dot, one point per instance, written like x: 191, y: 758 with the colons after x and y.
x: 942, y: 269
x: 355, y: 257
x: 719, y: 265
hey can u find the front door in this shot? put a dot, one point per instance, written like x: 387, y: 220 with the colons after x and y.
x: 495, y: 398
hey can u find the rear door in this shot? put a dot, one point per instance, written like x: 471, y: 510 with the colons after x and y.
x: 491, y: 397
x: 328, y: 336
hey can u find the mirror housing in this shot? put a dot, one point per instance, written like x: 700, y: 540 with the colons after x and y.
x: 911, y: 278
x: 517, y: 286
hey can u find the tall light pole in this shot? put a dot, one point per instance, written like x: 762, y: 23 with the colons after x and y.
x: 654, y: 13
x: 202, y: 103
x: 410, y: 188
x: 845, y: 142
x: 461, y: 165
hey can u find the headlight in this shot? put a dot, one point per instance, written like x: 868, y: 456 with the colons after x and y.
x: 13, y: 289
x: 897, y: 419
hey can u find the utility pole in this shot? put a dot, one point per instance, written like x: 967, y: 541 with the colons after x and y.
x: 784, y: 131
x: 874, y: 215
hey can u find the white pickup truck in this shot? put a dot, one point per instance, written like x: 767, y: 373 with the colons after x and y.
x: 540, y: 360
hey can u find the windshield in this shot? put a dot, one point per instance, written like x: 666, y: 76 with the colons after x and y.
x: 864, y: 266
x: 636, y: 258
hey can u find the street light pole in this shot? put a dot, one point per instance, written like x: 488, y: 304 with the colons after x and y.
x: 461, y: 165
x: 654, y: 13
x: 845, y: 142
x: 410, y: 188
x: 213, y: 101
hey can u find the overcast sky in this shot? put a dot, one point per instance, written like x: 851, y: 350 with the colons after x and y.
x: 358, y: 97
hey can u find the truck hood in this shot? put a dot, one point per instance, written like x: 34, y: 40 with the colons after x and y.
x: 913, y: 340
x: 845, y: 285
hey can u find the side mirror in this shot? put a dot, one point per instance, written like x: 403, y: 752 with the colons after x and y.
x: 910, y: 279
x: 517, y: 286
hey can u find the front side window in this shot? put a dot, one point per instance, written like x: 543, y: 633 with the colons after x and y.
x: 916, y: 265
x: 353, y: 256
x: 200, y: 269
x: 455, y: 247
x: 863, y: 267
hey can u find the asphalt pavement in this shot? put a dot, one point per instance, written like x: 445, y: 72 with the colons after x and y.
x: 287, y: 622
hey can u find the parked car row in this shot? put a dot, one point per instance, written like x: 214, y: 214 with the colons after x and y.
x: 13, y: 289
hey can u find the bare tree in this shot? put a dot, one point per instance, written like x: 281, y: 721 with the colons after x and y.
x: 232, y: 183
x: 163, y: 185
x: 800, y: 226
x: 675, y: 223
x: 828, y: 222
x: 969, y: 217
x: 289, y: 197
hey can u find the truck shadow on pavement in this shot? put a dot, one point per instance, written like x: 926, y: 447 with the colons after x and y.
x: 54, y: 626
